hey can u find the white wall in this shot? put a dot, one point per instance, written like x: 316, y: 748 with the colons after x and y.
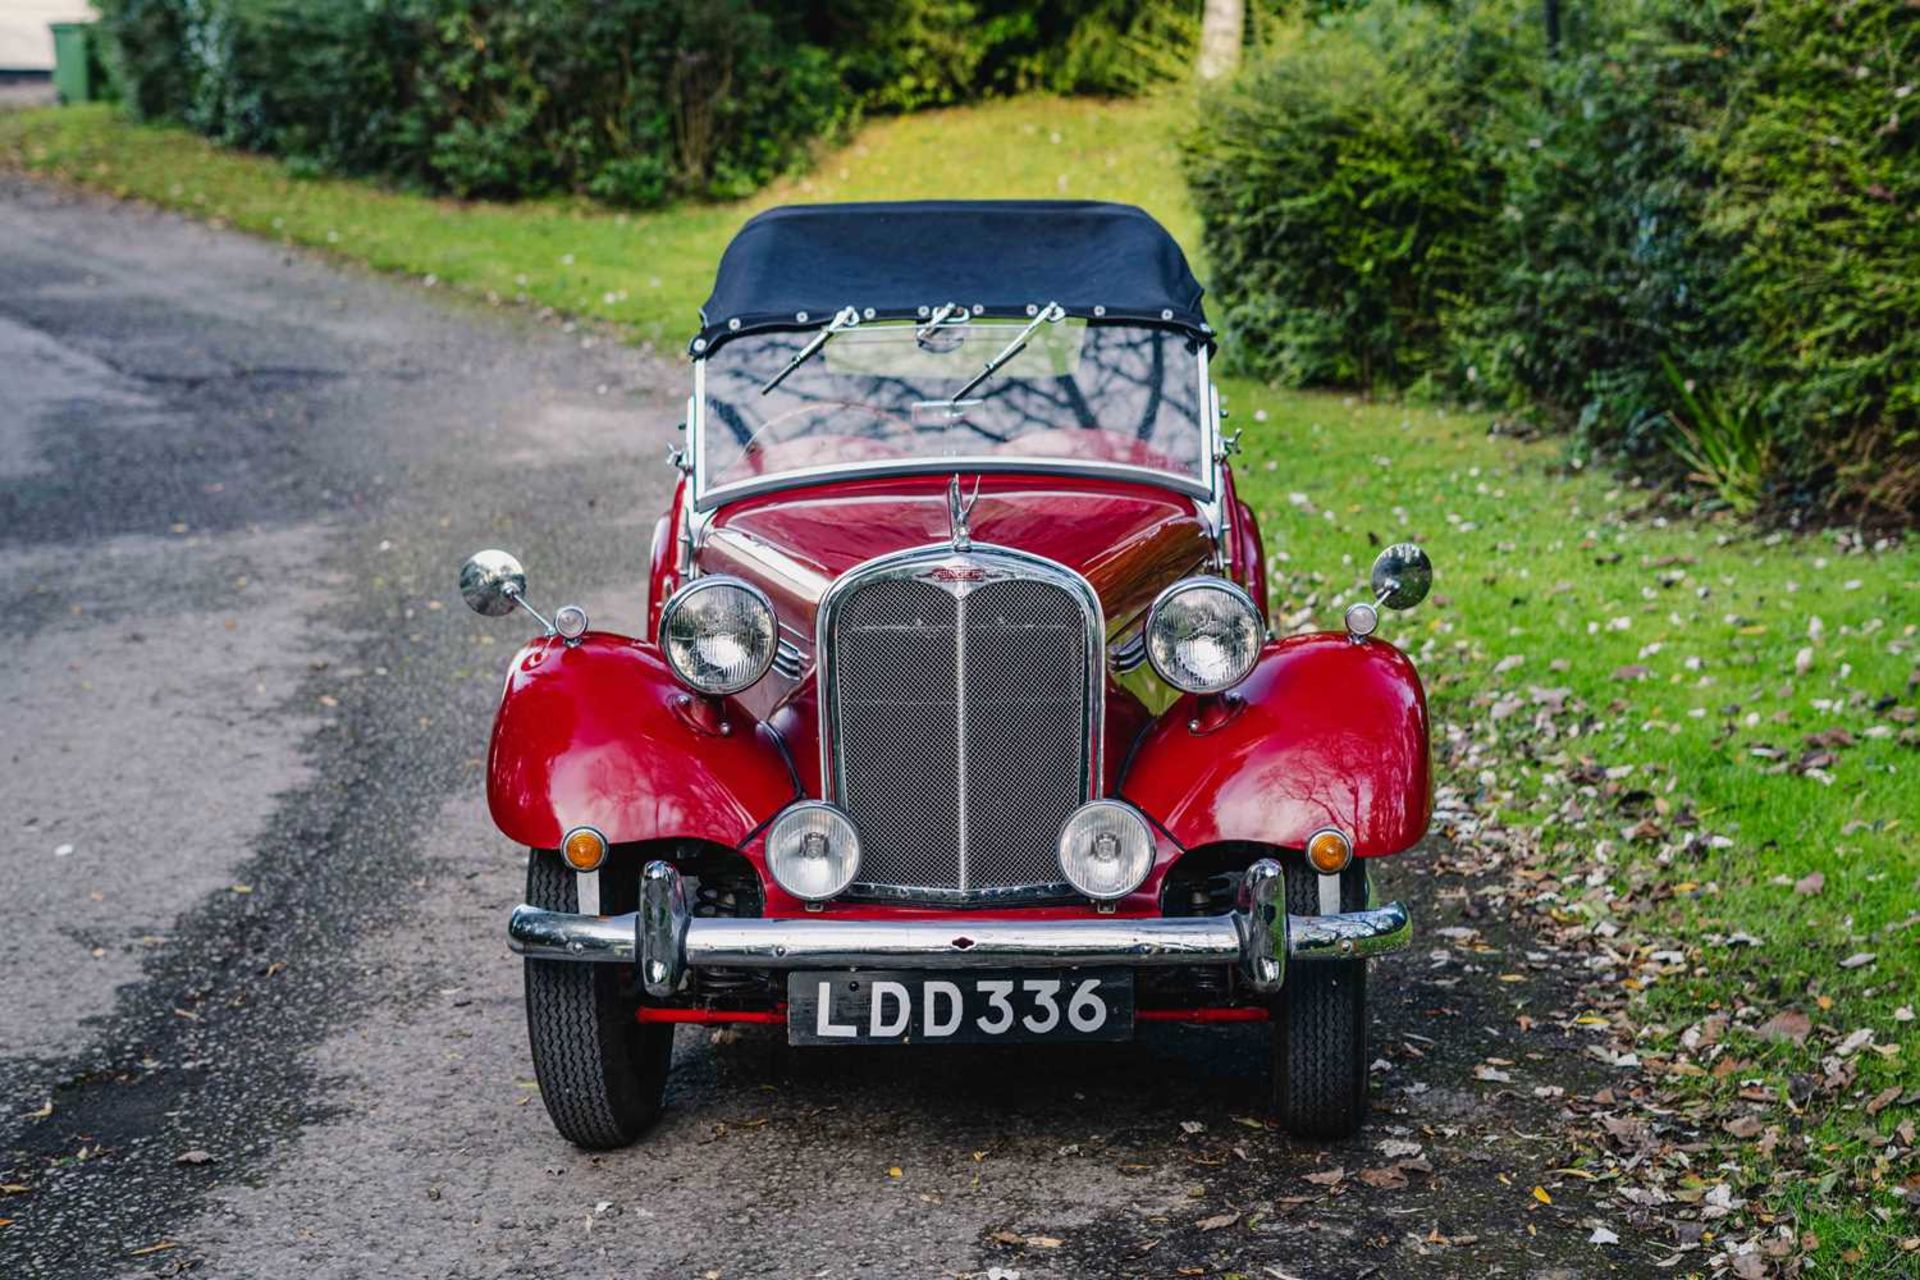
x: 25, y: 42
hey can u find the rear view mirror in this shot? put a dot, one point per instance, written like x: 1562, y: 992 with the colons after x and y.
x: 1402, y: 576
x: 492, y: 583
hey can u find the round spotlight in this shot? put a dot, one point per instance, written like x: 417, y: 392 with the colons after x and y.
x: 1329, y: 851
x: 570, y: 620
x: 1362, y: 620
x: 584, y: 849
x: 1204, y: 635
x: 1106, y: 849
x: 813, y: 851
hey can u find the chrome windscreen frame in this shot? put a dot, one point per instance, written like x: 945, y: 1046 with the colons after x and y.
x: 1204, y: 489
x: 911, y: 563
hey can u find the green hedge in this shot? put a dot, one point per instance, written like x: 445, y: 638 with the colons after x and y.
x: 1817, y: 192
x: 904, y: 55
x: 629, y: 101
x: 1691, y: 237
x: 1344, y: 198
x: 1599, y: 263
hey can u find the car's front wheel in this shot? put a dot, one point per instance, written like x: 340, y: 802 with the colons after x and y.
x: 1320, y: 1025
x: 602, y: 1073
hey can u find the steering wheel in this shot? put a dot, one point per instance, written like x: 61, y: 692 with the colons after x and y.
x: 766, y: 429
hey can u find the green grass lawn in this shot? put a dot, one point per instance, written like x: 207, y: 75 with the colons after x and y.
x: 1698, y: 736
x: 1631, y: 696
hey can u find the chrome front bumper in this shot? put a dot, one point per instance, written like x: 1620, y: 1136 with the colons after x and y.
x: 665, y: 940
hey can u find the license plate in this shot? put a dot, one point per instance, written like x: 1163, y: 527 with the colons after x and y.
x: 905, y: 1007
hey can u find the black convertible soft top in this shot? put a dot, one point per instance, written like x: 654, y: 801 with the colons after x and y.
x: 794, y: 267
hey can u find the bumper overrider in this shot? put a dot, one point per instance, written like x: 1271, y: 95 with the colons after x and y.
x: 666, y: 941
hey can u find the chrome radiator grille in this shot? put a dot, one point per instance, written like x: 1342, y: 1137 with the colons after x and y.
x: 960, y: 719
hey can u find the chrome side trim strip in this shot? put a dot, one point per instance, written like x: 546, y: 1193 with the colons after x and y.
x: 788, y: 660
x: 1129, y: 654
x: 804, y: 580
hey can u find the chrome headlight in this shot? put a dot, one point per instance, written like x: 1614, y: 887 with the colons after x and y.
x: 1204, y: 635
x: 719, y: 634
x: 1106, y: 849
x: 813, y: 850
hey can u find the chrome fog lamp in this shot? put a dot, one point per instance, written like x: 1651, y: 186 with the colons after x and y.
x: 1106, y: 849
x: 718, y: 634
x: 813, y: 851
x: 1204, y: 635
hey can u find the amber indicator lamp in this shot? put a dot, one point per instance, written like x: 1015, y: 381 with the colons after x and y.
x: 584, y: 849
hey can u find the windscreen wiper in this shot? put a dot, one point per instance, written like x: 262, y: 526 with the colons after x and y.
x: 1052, y: 313
x: 848, y: 317
x: 937, y: 319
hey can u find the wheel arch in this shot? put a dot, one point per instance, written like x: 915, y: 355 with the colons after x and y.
x: 600, y: 734
x: 1323, y: 732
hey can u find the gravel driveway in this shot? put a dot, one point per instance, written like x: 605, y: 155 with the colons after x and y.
x: 260, y: 1019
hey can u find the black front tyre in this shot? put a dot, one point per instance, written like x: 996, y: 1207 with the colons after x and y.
x: 602, y: 1073
x: 1320, y: 1026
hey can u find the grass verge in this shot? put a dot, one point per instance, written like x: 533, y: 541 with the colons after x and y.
x: 1691, y: 747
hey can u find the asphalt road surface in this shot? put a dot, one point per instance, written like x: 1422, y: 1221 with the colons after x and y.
x: 259, y: 1018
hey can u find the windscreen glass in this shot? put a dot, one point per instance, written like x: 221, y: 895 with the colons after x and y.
x: 873, y: 394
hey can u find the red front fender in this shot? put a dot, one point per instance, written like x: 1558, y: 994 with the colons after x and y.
x: 1323, y: 733
x: 600, y: 735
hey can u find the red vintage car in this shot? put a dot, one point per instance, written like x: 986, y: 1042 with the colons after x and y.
x: 958, y: 718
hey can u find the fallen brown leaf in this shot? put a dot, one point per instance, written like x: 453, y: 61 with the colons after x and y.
x: 1788, y: 1024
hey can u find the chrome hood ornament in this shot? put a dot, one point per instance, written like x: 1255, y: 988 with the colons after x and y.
x: 958, y: 511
